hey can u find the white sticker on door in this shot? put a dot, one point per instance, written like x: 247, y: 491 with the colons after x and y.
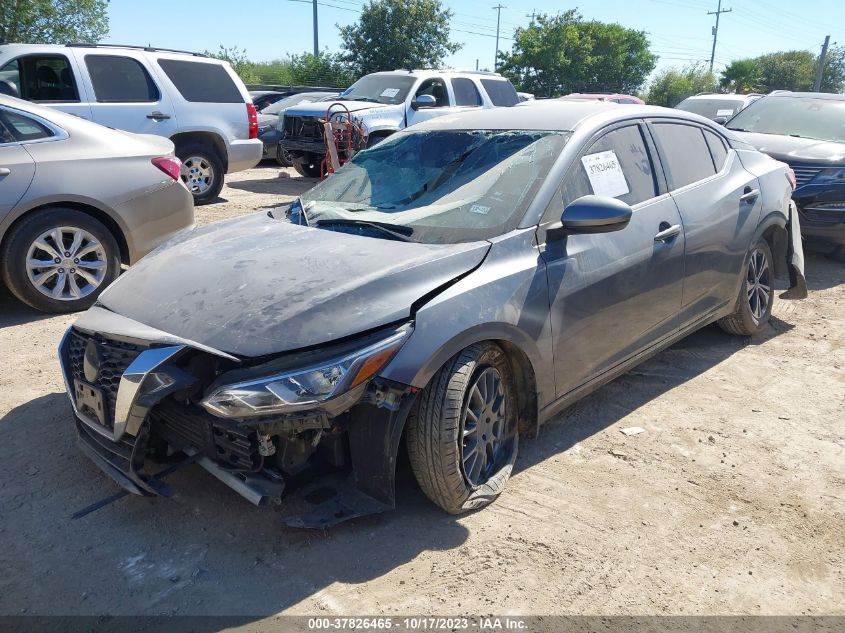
x: 390, y: 92
x: 605, y: 174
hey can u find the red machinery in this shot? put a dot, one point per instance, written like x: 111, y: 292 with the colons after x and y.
x: 344, y: 136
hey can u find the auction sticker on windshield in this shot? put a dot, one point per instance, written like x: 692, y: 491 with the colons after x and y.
x: 727, y: 112
x: 605, y: 174
x: 390, y: 92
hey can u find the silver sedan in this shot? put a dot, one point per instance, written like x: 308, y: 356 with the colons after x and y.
x: 79, y: 200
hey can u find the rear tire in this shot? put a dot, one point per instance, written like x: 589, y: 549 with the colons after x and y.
x: 89, y: 260
x: 462, y: 432
x: 756, y: 295
x: 202, y: 171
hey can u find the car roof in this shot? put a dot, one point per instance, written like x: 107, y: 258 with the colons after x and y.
x: 813, y: 95
x: 553, y: 115
x: 422, y: 72
x: 722, y: 96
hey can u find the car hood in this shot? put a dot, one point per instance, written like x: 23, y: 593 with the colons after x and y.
x: 318, y: 108
x: 791, y: 149
x: 267, y: 119
x: 256, y: 285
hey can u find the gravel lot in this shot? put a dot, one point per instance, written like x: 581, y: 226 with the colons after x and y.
x: 731, y: 502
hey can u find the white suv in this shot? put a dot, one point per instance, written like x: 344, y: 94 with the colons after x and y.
x: 387, y: 102
x: 197, y: 102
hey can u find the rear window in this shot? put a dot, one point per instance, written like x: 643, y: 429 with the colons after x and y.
x: 502, y: 92
x: 466, y: 94
x: 685, y: 152
x: 201, y: 82
x: 118, y: 79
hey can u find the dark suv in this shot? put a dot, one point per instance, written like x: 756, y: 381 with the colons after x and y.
x: 806, y: 130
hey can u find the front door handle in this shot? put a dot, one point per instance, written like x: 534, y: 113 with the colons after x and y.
x: 158, y: 116
x: 668, y: 232
x: 5, y: 171
x: 749, y: 195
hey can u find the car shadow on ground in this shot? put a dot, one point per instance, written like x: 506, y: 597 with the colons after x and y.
x: 15, y: 312
x: 207, y: 551
x: 284, y: 185
x: 823, y: 272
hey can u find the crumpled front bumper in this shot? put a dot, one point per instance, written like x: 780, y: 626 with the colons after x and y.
x: 795, y: 257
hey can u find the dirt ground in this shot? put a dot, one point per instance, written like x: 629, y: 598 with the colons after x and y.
x: 731, y: 502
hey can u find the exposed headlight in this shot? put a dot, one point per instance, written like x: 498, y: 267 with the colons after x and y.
x: 304, y: 388
x: 833, y: 175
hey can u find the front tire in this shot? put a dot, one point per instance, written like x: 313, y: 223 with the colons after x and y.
x: 59, y: 260
x: 462, y: 433
x: 756, y: 296
x: 310, y: 169
x: 202, y: 171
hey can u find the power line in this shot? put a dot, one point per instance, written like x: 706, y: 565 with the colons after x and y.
x: 719, y: 11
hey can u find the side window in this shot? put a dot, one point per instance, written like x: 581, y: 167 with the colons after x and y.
x: 42, y: 78
x: 435, y: 87
x: 717, y: 149
x: 118, y: 79
x: 685, y: 153
x: 22, y: 128
x: 501, y: 92
x: 201, y: 82
x: 616, y: 165
x: 466, y: 94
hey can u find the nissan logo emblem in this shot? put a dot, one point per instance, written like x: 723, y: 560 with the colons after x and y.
x: 91, y: 362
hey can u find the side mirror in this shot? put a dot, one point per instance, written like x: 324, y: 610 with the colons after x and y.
x: 8, y: 88
x: 721, y: 120
x: 423, y: 101
x: 594, y: 214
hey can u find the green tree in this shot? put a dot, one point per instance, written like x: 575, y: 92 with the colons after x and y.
x: 786, y: 70
x: 564, y: 53
x: 398, y: 34
x: 742, y: 76
x: 238, y: 60
x: 671, y: 86
x: 324, y: 69
x: 833, y: 79
x: 53, y: 21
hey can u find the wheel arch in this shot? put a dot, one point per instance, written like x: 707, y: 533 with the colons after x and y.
x: 206, y: 138
x: 772, y: 228
x: 97, y: 213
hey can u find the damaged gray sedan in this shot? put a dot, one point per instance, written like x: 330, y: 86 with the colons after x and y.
x: 449, y: 289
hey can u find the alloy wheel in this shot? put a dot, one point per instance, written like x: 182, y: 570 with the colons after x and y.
x: 483, y: 427
x: 197, y: 174
x: 758, y: 284
x: 66, y: 263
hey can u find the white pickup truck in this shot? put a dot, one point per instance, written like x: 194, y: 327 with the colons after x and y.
x: 386, y: 102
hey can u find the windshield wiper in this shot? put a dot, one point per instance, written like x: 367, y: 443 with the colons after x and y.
x: 400, y: 233
x: 369, y: 99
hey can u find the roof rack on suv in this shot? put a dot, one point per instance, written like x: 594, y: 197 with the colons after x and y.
x: 149, y: 49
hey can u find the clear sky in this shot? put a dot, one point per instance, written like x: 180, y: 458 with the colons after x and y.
x: 680, y: 30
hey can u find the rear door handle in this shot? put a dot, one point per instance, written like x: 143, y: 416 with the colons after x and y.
x: 750, y: 195
x: 668, y: 233
x: 158, y: 116
x: 5, y: 171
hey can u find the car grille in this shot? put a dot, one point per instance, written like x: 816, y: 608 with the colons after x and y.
x: 826, y: 217
x: 115, y: 357
x: 804, y: 173
x: 303, y: 127
x: 186, y: 426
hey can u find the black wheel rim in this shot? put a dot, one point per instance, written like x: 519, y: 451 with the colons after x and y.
x: 484, y: 431
x: 758, y: 284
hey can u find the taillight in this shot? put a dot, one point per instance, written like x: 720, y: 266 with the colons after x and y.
x: 790, y: 176
x: 252, y: 118
x: 170, y: 165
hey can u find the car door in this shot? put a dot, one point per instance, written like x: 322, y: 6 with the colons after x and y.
x: 719, y: 202
x: 51, y: 79
x: 437, y: 88
x: 612, y: 295
x: 16, y: 165
x: 124, y: 94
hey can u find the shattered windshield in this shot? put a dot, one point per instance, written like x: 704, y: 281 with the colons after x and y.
x: 437, y: 187
x: 389, y: 89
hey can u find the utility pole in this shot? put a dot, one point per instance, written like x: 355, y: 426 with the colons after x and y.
x: 817, y: 86
x: 719, y: 11
x: 316, y: 42
x: 498, y: 8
